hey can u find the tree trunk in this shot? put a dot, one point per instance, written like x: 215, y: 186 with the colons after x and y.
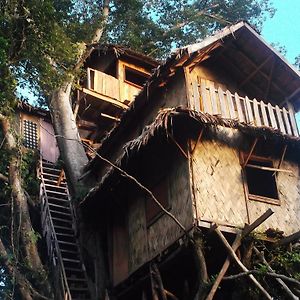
x: 71, y: 149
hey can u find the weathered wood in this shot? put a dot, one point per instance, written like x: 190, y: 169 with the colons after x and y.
x: 196, y: 95
x: 281, y: 158
x: 293, y: 121
x: 239, y: 108
x: 224, y: 111
x: 250, y: 152
x: 213, y: 98
x: 272, y: 116
x: 256, y: 113
x: 250, y: 118
x: 280, y: 120
x: 286, y: 121
x: 235, y: 245
x: 158, y: 291
x: 289, y: 239
x: 264, y: 113
x: 204, y: 97
x: 268, y: 168
x: 230, y: 105
x: 240, y: 264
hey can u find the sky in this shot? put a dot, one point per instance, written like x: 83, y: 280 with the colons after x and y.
x: 284, y: 27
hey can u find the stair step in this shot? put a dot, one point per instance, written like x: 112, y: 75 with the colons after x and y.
x: 69, y: 251
x: 77, y: 261
x: 77, y: 270
x: 61, y: 213
x: 62, y: 220
x: 67, y: 243
x: 54, y: 182
x: 52, y: 186
x: 57, y: 193
x: 57, y: 171
x: 59, y: 206
x: 65, y: 234
x: 63, y: 228
x: 58, y: 199
x: 76, y: 279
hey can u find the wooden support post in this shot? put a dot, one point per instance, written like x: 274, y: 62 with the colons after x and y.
x: 279, y: 280
x: 289, y: 239
x: 158, y: 291
x: 281, y: 159
x: 250, y: 152
x: 236, y: 244
x: 198, y: 140
x: 240, y: 264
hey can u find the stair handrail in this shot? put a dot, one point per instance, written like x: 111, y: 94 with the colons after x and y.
x: 57, y: 248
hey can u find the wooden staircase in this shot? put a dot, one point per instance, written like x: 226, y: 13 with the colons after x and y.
x: 59, y: 230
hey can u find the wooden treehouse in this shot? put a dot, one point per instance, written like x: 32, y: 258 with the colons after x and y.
x: 114, y: 76
x: 213, y: 136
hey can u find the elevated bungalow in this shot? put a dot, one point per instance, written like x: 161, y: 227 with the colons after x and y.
x: 213, y: 136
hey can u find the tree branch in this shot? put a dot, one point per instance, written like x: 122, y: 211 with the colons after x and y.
x: 257, y: 272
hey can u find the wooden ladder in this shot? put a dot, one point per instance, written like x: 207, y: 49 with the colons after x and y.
x: 59, y: 230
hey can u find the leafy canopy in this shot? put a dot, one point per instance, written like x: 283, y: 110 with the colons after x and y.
x: 40, y: 39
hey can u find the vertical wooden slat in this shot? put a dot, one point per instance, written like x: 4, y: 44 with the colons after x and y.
x: 256, y: 113
x: 230, y: 105
x: 239, y: 108
x: 286, y: 121
x: 224, y: 111
x: 272, y: 116
x: 293, y: 120
x: 205, y: 99
x: 89, y: 78
x: 213, y: 98
x: 250, y: 118
x: 264, y: 113
x: 196, y: 95
x: 280, y: 120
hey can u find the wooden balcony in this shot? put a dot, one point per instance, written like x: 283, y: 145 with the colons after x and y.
x: 110, y: 87
x: 217, y: 101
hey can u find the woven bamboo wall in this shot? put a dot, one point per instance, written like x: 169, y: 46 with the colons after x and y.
x: 219, y: 190
x: 146, y: 242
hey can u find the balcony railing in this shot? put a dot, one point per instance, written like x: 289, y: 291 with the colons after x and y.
x: 110, y: 86
x: 216, y: 101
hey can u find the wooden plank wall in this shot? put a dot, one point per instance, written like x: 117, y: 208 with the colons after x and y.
x: 219, y: 192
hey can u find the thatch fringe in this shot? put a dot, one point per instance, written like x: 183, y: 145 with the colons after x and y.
x: 164, y: 124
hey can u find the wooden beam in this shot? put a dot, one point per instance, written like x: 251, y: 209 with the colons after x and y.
x: 281, y: 158
x: 254, y: 65
x: 198, y: 140
x: 289, y: 239
x: 241, y: 265
x: 105, y: 98
x: 268, y: 168
x: 255, y: 71
x: 110, y: 117
x: 250, y: 152
x: 296, y: 91
x: 236, y: 244
x: 270, y: 79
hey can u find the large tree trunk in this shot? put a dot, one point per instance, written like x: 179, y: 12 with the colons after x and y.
x: 28, y: 242
x: 71, y: 149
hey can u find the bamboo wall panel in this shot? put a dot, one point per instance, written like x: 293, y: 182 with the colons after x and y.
x: 219, y: 190
x: 165, y: 231
x: 287, y: 215
x: 218, y: 186
x: 138, y: 248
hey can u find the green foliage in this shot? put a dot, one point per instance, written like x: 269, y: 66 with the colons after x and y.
x: 28, y: 172
x: 40, y: 41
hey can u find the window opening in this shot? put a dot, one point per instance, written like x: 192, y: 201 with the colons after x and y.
x: 261, y: 183
x: 135, y: 77
x: 160, y: 191
x: 30, y: 134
